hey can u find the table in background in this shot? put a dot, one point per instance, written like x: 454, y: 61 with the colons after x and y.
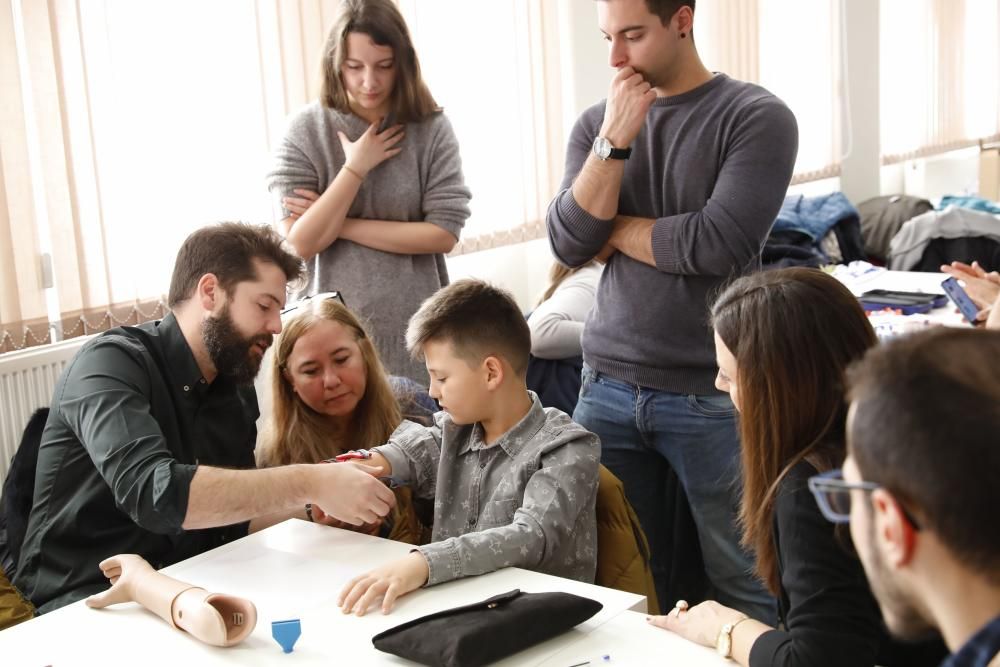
x: 908, y: 281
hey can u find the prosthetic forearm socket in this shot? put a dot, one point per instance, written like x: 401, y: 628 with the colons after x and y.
x: 214, y: 618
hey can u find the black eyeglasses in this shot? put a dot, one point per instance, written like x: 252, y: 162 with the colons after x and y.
x: 322, y: 296
x: 833, y: 495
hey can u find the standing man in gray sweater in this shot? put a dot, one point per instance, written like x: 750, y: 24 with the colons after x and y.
x: 675, y: 181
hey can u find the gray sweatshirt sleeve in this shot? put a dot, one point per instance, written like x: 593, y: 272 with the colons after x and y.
x: 292, y: 168
x: 446, y: 197
x: 554, y: 498
x: 575, y: 236
x: 731, y: 229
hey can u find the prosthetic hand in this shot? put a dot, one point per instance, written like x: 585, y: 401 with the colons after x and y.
x: 216, y: 619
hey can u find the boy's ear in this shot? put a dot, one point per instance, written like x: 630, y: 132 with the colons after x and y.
x: 494, y: 372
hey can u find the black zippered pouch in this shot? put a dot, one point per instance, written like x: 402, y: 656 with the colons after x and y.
x: 486, y: 631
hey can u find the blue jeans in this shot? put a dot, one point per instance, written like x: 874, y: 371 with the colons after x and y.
x: 643, y: 431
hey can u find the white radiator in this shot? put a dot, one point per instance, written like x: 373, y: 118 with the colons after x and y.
x: 27, y: 379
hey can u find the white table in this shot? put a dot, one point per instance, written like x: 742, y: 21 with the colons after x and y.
x: 627, y: 639
x: 292, y: 570
x: 907, y: 281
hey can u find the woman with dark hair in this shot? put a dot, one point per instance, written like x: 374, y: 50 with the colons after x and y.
x: 783, y: 342
x: 369, y: 179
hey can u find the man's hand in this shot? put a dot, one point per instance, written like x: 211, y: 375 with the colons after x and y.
x: 350, y: 493
x: 390, y: 581
x: 629, y: 100
x: 123, y: 571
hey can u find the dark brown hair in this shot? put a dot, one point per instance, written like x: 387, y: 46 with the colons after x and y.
x: 478, y: 320
x: 926, y: 426
x: 665, y: 9
x: 228, y: 250
x: 411, y: 100
x: 793, y: 333
x: 297, y: 434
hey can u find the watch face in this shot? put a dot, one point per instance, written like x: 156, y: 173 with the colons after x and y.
x: 602, y: 148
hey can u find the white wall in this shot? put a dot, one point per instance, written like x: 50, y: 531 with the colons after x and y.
x: 522, y: 268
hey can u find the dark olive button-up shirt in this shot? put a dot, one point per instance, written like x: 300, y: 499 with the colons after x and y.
x: 131, y: 419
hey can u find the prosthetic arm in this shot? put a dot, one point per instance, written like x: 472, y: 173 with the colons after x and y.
x: 220, y: 620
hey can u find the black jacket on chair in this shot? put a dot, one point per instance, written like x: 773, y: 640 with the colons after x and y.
x: 19, y: 491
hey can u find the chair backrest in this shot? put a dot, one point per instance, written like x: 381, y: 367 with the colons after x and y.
x: 14, y: 608
x: 622, y: 550
x: 19, y: 491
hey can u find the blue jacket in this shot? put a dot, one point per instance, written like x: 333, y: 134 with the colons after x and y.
x: 814, y: 216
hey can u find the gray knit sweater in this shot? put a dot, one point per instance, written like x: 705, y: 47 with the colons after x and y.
x: 423, y: 183
x: 711, y: 166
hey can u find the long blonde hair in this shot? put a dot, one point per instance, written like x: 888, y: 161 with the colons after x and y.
x: 298, y: 434
x: 557, y: 274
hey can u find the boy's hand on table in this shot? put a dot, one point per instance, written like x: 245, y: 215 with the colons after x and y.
x: 389, y: 582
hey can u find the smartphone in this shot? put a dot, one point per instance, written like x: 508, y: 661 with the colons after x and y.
x: 966, y: 306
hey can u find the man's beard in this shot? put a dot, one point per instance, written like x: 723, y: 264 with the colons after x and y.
x: 904, y: 620
x: 230, y: 352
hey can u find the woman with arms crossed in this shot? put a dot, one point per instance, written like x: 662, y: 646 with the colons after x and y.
x: 369, y: 179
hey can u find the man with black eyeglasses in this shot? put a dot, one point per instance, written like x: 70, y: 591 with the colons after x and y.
x: 918, y: 487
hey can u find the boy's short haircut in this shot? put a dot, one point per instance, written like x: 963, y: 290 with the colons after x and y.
x: 478, y: 319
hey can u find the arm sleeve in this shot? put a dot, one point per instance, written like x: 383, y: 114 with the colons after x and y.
x: 446, y: 198
x: 731, y: 229
x: 832, y: 618
x: 414, y: 452
x: 104, y: 401
x: 575, y: 236
x: 557, y: 324
x: 554, y: 498
x: 292, y: 168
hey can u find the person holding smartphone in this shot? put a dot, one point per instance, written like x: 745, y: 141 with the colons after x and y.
x: 369, y: 179
x: 982, y: 287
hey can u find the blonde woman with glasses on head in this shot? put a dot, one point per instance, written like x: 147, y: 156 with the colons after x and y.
x: 331, y: 395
